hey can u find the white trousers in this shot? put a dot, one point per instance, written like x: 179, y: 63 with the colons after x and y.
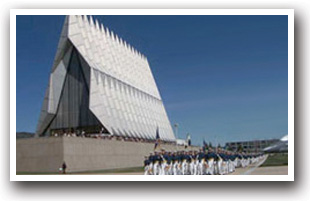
x: 175, y: 168
x: 210, y: 169
x: 156, y: 168
x: 163, y: 169
x: 219, y: 167
x: 192, y: 168
x: 184, y: 168
x: 201, y: 167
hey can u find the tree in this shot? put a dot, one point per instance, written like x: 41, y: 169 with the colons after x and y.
x: 229, y: 148
x: 240, y: 148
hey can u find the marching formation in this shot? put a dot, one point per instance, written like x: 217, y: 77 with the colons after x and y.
x: 210, y: 162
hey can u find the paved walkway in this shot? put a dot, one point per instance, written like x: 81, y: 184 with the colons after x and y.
x: 254, y: 169
x: 273, y: 170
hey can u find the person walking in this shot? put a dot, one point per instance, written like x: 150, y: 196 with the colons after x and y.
x: 64, y: 167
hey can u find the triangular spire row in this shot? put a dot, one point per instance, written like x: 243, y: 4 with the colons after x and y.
x: 96, y: 25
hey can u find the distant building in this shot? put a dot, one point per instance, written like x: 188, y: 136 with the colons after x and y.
x: 20, y: 135
x: 181, y: 142
x: 250, y: 146
x: 280, y: 146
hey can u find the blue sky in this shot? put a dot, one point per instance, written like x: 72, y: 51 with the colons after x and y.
x: 222, y: 78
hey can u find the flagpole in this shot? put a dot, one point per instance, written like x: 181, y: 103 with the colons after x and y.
x: 176, y: 133
x: 157, y: 142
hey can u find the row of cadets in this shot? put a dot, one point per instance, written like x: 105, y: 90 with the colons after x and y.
x: 204, y: 162
x: 210, y: 162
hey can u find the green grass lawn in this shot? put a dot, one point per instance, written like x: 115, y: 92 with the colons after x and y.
x: 278, y: 159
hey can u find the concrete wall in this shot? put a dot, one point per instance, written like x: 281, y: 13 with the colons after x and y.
x: 39, y: 154
x: 81, y: 154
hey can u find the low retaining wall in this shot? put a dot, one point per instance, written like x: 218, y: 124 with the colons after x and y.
x: 39, y: 154
x: 81, y: 154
